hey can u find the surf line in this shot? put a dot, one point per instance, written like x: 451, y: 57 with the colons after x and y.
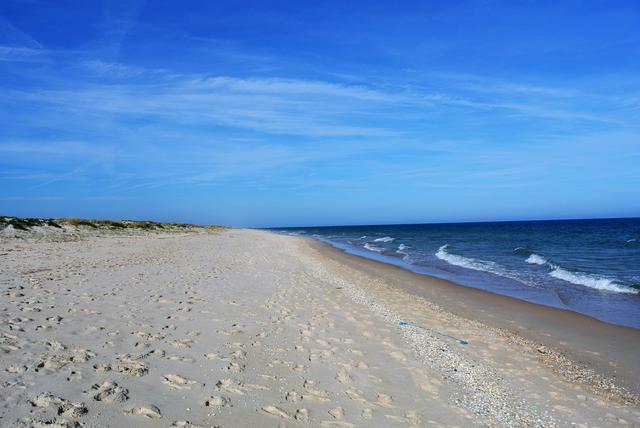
x: 411, y: 324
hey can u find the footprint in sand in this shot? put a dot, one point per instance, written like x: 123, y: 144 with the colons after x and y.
x: 102, y: 368
x: 385, y: 400
x: 177, y: 381
x: 218, y: 401
x: 109, y: 392
x: 302, y: 415
x: 52, y: 423
x: 181, y: 343
x: 181, y: 359
x: 65, y: 407
x: 275, y: 411
x: 81, y: 355
x: 125, y: 366
x: 234, y: 367
x: 313, y: 393
x: 150, y: 411
x: 269, y: 377
x: 239, y: 354
x: 52, y: 363
x: 411, y: 418
x: 132, y: 368
x: 343, y: 377
x: 54, y: 319
x: 367, y: 414
x: 230, y: 385
x: 44, y: 400
x: 292, y: 396
x: 185, y: 424
x: 72, y: 410
x: 337, y: 413
x: 54, y: 345
x: 356, y: 396
x: 341, y: 424
x: 255, y: 387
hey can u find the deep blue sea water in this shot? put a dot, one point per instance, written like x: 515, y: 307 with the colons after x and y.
x: 588, y: 266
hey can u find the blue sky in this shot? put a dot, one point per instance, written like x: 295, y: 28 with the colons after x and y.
x: 320, y: 113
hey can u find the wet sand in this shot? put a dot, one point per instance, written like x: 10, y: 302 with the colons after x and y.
x: 610, y: 349
x: 249, y: 328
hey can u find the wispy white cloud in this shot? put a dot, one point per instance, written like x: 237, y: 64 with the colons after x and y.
x: 294, y: 107
x: 113, y: 69
x: 308, y: 108
x: 57, y: 148
x: 20, y: 54
x: 18, y: 46
x: 119, y: 18
x: 13, y: 36
x: 194, y: 130
x: 478, y: 83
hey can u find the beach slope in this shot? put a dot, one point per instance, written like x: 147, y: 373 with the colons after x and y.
x: 249, y: 328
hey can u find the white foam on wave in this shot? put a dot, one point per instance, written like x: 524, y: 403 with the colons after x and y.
x: 590, y: 280
x: 581, y: 278
x: 536, y: 259
x: 401, y: 250
x: 373, y: 248
x: 385, y: 239
x: 480, y: 265
x: 465, y: 262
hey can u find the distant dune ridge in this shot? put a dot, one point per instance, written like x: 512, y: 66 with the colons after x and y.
x: 60, y: 225
x: 122, y: 323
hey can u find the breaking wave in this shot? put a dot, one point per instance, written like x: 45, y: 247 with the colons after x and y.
x: 385, y: 239
x: 535, y: 259
x: 580, y: 278
x: 401, y: 250
x: 591, y: 281
x: 373, y: 248
x: 465, y: 262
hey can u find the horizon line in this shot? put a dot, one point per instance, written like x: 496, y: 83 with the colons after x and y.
x: 449, y: 222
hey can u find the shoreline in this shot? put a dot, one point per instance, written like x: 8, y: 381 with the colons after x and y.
x: 237, y: 327
x: 610, y: 349
x: 399, y: 263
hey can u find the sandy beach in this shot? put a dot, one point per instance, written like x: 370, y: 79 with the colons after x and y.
x: 246, y: 328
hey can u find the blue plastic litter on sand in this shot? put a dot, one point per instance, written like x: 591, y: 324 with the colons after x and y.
x: 460, y: 341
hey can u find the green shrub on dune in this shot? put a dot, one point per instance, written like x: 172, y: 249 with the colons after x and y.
x: 27, y: 224
x: 77, y: 222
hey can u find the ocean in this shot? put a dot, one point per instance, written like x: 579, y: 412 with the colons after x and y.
x: 587, y: 266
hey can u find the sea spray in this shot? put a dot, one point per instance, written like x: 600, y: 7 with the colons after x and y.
x: 535, y: 259
x: 385, y: 239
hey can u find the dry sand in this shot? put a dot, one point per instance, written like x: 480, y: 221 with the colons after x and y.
x: 249, y: 328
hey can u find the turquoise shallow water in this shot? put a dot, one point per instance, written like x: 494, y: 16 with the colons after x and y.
x: 588, y: 266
